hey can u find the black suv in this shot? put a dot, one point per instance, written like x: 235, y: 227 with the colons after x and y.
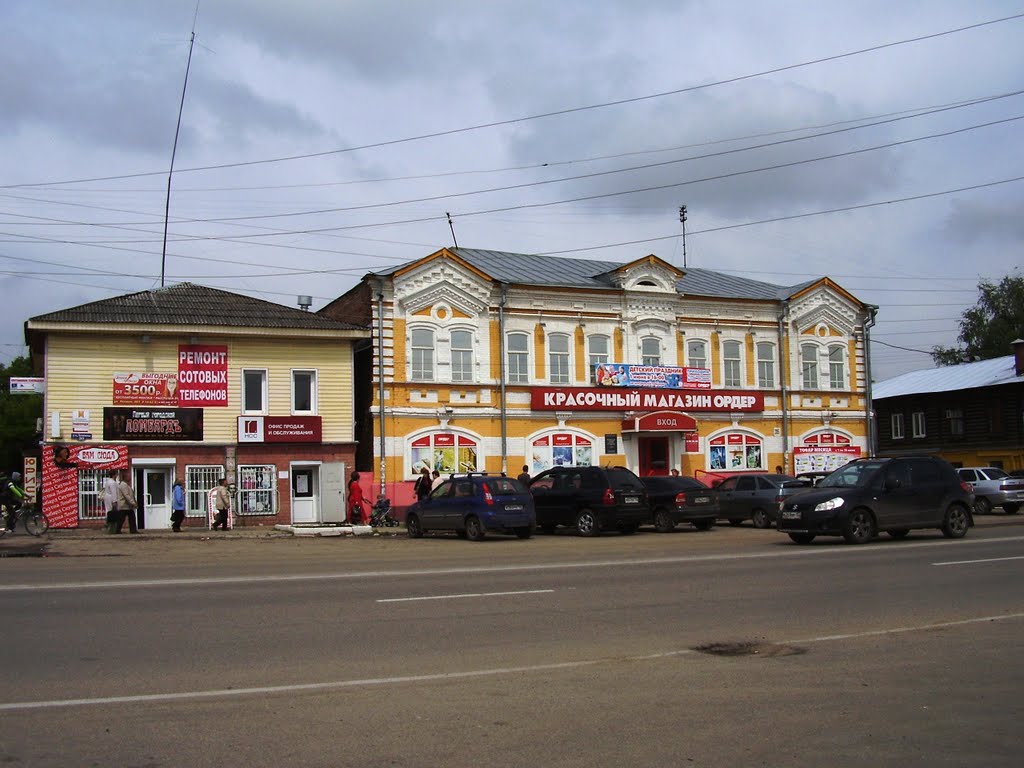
x: 590, y: 498
x: 675, y: 500
x: 894, y: 495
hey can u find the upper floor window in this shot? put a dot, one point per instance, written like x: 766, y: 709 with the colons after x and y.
x: 650, y: 350
x: 809, y: 365
x: 597, y: 354
x: 731, y: 364
x: 765, y: 364
x: 421, y: 341
x: 462, y: 356
x: 254, y: 390
x: 955, y: 421
x: 896, y: 421
x: 837, y: 366
x: 917, y: 423
x: 558, y: 358
x: 517, y: 347
x: 697, y: 353
x: 303, y: 391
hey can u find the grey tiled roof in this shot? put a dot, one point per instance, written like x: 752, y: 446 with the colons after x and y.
x: 559, y: 271
x: 950, y: 378
x: 191, y: 304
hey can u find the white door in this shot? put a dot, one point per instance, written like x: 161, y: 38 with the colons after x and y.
x: 332, y: 492
x: 305, y: 497
x: 156, y: 499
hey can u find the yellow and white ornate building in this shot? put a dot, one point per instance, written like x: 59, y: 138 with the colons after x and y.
x: 489, y: 361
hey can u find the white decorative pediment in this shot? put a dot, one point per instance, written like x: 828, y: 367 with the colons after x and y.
x: 441, y: 282
x: 824, y: 307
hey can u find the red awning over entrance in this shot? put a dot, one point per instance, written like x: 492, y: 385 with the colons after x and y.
x: 661, y: 421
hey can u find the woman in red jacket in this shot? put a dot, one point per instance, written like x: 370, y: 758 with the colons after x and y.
x: 358, y: 507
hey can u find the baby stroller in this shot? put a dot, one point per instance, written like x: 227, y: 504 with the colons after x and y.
x: 380, y: 516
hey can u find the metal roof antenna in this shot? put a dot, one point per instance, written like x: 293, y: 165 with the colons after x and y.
x: 682, y: 224
x: 174, y: 148
x: 451, y: 226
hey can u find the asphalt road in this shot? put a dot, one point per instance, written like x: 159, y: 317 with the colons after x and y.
x: 727, y: 648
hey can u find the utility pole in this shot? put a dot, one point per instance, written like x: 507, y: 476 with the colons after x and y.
x: 682, y: 223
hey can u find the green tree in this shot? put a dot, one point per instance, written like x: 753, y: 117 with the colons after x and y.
x: 987, y: 328
x: 18, y: 414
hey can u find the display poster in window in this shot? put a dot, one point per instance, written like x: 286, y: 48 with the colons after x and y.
x: 153, y: 424
x: 203, y: 375
x: 823, y: 458
x: 146, y: 388
x: 445, y: 452
x: 561, y: 450
x: 651, y: 376
x: 736, y: 452
x: 61, y: 463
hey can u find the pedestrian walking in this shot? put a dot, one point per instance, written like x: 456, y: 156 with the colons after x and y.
x: 127, y: 506
x: 423, y: 485
x: 177, y: 505
x: 524, y: 476
x: 109, y: 496
x: 437, y: 479
x: 222, y: 505
x: 358, y: 511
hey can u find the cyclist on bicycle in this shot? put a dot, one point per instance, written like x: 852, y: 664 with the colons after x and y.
x: 11, y: 497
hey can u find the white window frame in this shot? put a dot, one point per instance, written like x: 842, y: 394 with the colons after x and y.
x: 200, y: 479
x: 421, y: 357
x: 560, y: 361
x: 594, y: 357
x: 837, y: 368
x: 728, y: 362
x: 259, y: 499
x: 700, y: 361
x: 896, y: 423
x: 314, y: 378
x: 917, y: 424
x: 264, y: 392
x: 650, y: 350
x: 765, y: 364
x: 809, y: 366
x: 521, y: 375
x: 462, y: 357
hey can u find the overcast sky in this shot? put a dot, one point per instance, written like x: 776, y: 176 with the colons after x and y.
x: 322, y: 139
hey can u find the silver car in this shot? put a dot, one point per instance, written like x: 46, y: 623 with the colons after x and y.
x: 993, y: 488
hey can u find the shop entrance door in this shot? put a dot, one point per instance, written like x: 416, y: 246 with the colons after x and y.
x: 155, y: 500
x: 653, y: 456
x: 305, y: 494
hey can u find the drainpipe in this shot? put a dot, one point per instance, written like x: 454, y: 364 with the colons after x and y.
x: 869, y: 323
x: 380, y: 384
x: 501, y: 368
x: 783, y: 370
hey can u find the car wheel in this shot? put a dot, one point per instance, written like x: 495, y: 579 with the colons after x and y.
x: 802, y: 538
x: 899, y: 533
x: 1011, y: 509
x: 982, y: 506
x: 735, y: 521
x: 703, y: 525
x: 663, y: 522
x: 474, y: 529
x: 955, y: 522
x: 524, y: 532
x: 586, y: 523
x: 859, y: 527
x: 413, y: 527
x: 760, y: 519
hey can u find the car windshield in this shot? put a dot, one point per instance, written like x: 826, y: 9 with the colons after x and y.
x: 994, y: 473
x: 854, y: 474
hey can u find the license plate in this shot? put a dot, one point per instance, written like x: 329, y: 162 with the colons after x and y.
x: 631, y: 499
x: 701, y: 499
x: 790, y: 514
x: 513, y: 507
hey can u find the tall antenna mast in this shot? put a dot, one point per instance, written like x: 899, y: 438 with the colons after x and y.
x: 682, y: 223
x: 174, y: 149
x: 451, y: 226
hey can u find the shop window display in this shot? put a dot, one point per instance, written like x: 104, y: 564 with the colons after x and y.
x: 736, y: 451
x: 256, y: 493
x: 560, y: 449
x: 446, y: 452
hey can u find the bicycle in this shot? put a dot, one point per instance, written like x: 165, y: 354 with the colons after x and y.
x: 36, y: 523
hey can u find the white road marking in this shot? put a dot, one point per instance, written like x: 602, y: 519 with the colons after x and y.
x: 467, y: 594
x: 986, y: 560
x: 477, y: 673
x: 206, y: 581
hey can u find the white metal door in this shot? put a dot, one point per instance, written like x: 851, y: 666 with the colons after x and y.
x: 305, y: 494
x: 156, y: 499
x: 332, y: 492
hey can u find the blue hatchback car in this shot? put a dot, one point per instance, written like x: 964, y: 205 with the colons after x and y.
x: 473, y: 505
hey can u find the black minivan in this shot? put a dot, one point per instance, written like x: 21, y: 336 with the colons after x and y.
x: 894, y: 495
x: 591, y: 499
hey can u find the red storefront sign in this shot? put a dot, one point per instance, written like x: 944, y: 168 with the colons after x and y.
x: 60, y: 476
x: 594, y: 399
x: 692, y: 442
x: 203, y: 375
x: 280, y: 429
x: 660, y: 421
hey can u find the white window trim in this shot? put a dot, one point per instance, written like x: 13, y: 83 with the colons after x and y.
x: 739, y: 345
x: 758, y: 345
x: 472, y: 355
x: 265, y: 396
x: 705, y: 344
x: 313, y: 395
x: 433, y: 352
x: 607, y: 354
x: 817, y: 365
x: 568, y: 355
x: 845, y: 383
x: 509, y: 351
x: 897, y: 426
x: 918, y: 425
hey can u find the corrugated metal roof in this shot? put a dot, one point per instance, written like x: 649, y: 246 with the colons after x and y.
x: 984, y: 373
x: 192, y: 305
x: 564, y: 272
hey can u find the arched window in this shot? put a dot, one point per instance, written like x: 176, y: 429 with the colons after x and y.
x: 737, y: 451
x: 445, y: 452
x: 697, y: 353
x: 837, y: 366
x: 809, y: 365
x: 462, y: 356
x: 650, y: 350
x: 558, y: 358
x: 765, y: 364
x: 560, y: 449
x: 732, y: 364
x: 597, y: 353
x: 518, y: 354
x: 421, y: 342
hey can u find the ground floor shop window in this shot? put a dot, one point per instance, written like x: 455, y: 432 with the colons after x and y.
x: 736, y: 450
x: 257, y: 494
x: 90, y: 494
x: 445, y: 452
x: 560, y: 449
x: 200, y: 479
x: 824, y: 452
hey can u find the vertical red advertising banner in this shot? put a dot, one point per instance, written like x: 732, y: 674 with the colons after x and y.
x: 202, y: 375
x: 61, y: 464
